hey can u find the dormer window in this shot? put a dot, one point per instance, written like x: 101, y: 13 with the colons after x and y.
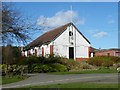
x: 70, y: 33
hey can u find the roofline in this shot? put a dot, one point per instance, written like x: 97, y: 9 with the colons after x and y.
x: 76, y: 29
x: 81, y: 33
x: 47, y: 32
x: 102, y: 50
x: 61, y: 32
x: 69, y: 24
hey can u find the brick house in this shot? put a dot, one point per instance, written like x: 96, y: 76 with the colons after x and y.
x: 108, y: 52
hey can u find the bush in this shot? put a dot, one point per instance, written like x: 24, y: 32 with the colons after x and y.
x: 96, y: 62
x: 37, y: 60
x: 58, y: 64
x: 43, y: 68
x: 58, y: 67
x: 22, y: 61
x: 115, y: 59
x: 105, y: 61
x: 52, y: 59
x: 71, y: 64
x: 46, y: 68
x: 13, y: 69
x: 49, y: 64
x: 37, y: 68
x: 85, y: 66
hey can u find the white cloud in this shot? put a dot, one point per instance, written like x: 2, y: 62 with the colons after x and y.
x: 60, y: 18
x: 100, y: 34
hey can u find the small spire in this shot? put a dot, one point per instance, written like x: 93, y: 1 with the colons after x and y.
x: 71, y: 13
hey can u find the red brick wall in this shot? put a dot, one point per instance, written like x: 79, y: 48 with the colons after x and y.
x: 105, y: 53
x: 81, y: 59
x: 89, y: 52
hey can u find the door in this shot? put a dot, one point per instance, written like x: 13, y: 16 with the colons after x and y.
x: 71, y: 52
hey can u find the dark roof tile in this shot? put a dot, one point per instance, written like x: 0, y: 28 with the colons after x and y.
x: 48, y: 36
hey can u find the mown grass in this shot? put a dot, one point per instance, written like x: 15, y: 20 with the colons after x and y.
x: 12, y: 79
x: 102, y: 70
x: 70, y: 86
x: 76, y: 85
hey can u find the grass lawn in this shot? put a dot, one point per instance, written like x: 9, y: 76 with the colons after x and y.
x: 76, y: 85
x: 102, y: 70
x: 7, y: 79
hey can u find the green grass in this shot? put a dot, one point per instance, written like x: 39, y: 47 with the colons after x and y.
x: 102, y: 70
x: 12, y: 79
x: 76, y: 85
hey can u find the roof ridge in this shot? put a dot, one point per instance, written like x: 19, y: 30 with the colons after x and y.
x: 59, y: 27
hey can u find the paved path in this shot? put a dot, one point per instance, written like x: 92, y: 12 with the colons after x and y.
x: 45, y: 79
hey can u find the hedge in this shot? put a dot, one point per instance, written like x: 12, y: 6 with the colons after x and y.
x: 105, y: 61
x: 43, y: 68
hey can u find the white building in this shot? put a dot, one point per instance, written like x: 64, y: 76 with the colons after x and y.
x: 66, y: 41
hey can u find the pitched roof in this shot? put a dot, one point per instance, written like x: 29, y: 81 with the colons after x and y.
x: 51, y: 35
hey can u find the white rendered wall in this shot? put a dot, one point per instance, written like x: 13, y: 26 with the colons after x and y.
x: 81, y: 46
x: 26, y: 53
x: 46, y: 49
x: 62, y: 44
x: 39, y: 53
x: 31, y: 51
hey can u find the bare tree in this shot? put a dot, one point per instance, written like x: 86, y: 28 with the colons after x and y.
x: 15, y: 28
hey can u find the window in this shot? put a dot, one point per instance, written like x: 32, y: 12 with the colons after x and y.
x: 108, y: 54
x: 70, y: 33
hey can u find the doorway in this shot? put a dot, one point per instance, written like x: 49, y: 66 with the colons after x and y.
x: 71, y: 52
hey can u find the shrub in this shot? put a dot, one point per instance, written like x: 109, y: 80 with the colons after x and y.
x: 58, y: 67
x: 85, y: 66
x: 105, y: 61
x: 13, y: 69
x: 46, y: 68
x: 71, y: 64
x: 4, y: 69
x: 96, y: 62
x: 82, y: 65
x: 115, y: 59
x: 53, y: 59
x: 37, y: 60
x: 37, y: 68
x: 22, y: 61
x: 33, y: 59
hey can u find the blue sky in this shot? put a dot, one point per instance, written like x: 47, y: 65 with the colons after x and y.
x: 98, y: 21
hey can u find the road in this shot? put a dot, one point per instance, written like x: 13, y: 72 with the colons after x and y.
x: 45, y: 79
